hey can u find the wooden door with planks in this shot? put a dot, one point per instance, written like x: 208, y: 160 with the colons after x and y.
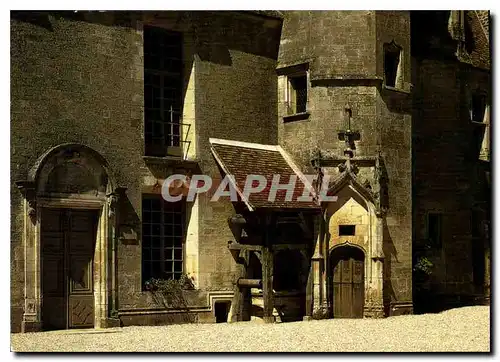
x: 68, y: 244
x: 348, y: 283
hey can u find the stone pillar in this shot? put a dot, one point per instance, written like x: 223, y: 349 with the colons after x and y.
x: 105, y: 286
x: 374, y: 301
x: 32, y: 321
x: 309, y: 296
x: 320, y: 309
x: 101, y: 270
x: 113, y: 214
x: 316, y: 276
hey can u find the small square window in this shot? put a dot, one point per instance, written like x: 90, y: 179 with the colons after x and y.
x: 392, y: 64
x: 297, y: 94
x: 347, y: 230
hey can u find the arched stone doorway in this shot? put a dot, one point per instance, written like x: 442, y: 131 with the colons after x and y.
x: 353, y: 276
x: 347, y: 281
x: 352, y: 219
x: 70, y: 200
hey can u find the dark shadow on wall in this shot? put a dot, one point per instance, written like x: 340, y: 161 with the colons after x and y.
x: 215, y: 32
x: 38, y: 18
x: 214, y: 53
x: 430, y: 36
x: 396, y: 101
x: 244, y: 32
x: 44, y: 18
x: 384, y: 186
x: 129, y: 224
x: 391, y: 255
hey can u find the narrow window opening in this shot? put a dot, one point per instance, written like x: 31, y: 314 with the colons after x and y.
x: 392, y: 60
x: 163, y: 86
x: 347, y: 230
x: 478, y: 107
x: 298, y: 94
x: 434, y: 224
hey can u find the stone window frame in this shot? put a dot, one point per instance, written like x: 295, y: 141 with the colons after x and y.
x: 172, y: 127
x: 292, y: 94
x: 162, y: 259
x: 481, y: 124
x: 289, y: 73
x: 393, y: 47
x: 347, y: 230
x: 478, y: 94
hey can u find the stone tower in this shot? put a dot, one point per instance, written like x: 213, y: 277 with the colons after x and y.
x: 345, y: 104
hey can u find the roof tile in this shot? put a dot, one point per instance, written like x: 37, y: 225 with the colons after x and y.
x: 242, y: 161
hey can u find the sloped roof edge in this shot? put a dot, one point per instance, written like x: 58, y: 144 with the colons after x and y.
x: 261, y: 147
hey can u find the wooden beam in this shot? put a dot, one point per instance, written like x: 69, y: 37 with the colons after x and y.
x: 267, y: 285
x: 279, y: 247
x: 258, y: 254
x: 247, y: 247
x: 250, y: 283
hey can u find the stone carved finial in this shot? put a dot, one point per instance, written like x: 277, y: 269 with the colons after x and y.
x: 349, y: 136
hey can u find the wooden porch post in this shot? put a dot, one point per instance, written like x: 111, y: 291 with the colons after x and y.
x: 242, y: 298
x: 267, y: 284
x: 267, y: 271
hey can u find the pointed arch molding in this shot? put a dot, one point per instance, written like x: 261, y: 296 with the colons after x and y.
x: 372, y: 251
x: 339, y: 246
x: 348, y: 178
x: 393, y: 46
x: 72, y: 176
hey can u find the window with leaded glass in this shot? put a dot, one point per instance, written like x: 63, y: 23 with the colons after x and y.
x: 162, y: 238
x: 163, y: 87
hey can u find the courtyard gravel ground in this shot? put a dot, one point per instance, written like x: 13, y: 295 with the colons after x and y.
x: 461, y: 329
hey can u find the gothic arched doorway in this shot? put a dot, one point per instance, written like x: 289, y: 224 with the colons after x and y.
x: 347, y: 282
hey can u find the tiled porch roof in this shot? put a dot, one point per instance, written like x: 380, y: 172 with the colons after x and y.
x: 241, y: 159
